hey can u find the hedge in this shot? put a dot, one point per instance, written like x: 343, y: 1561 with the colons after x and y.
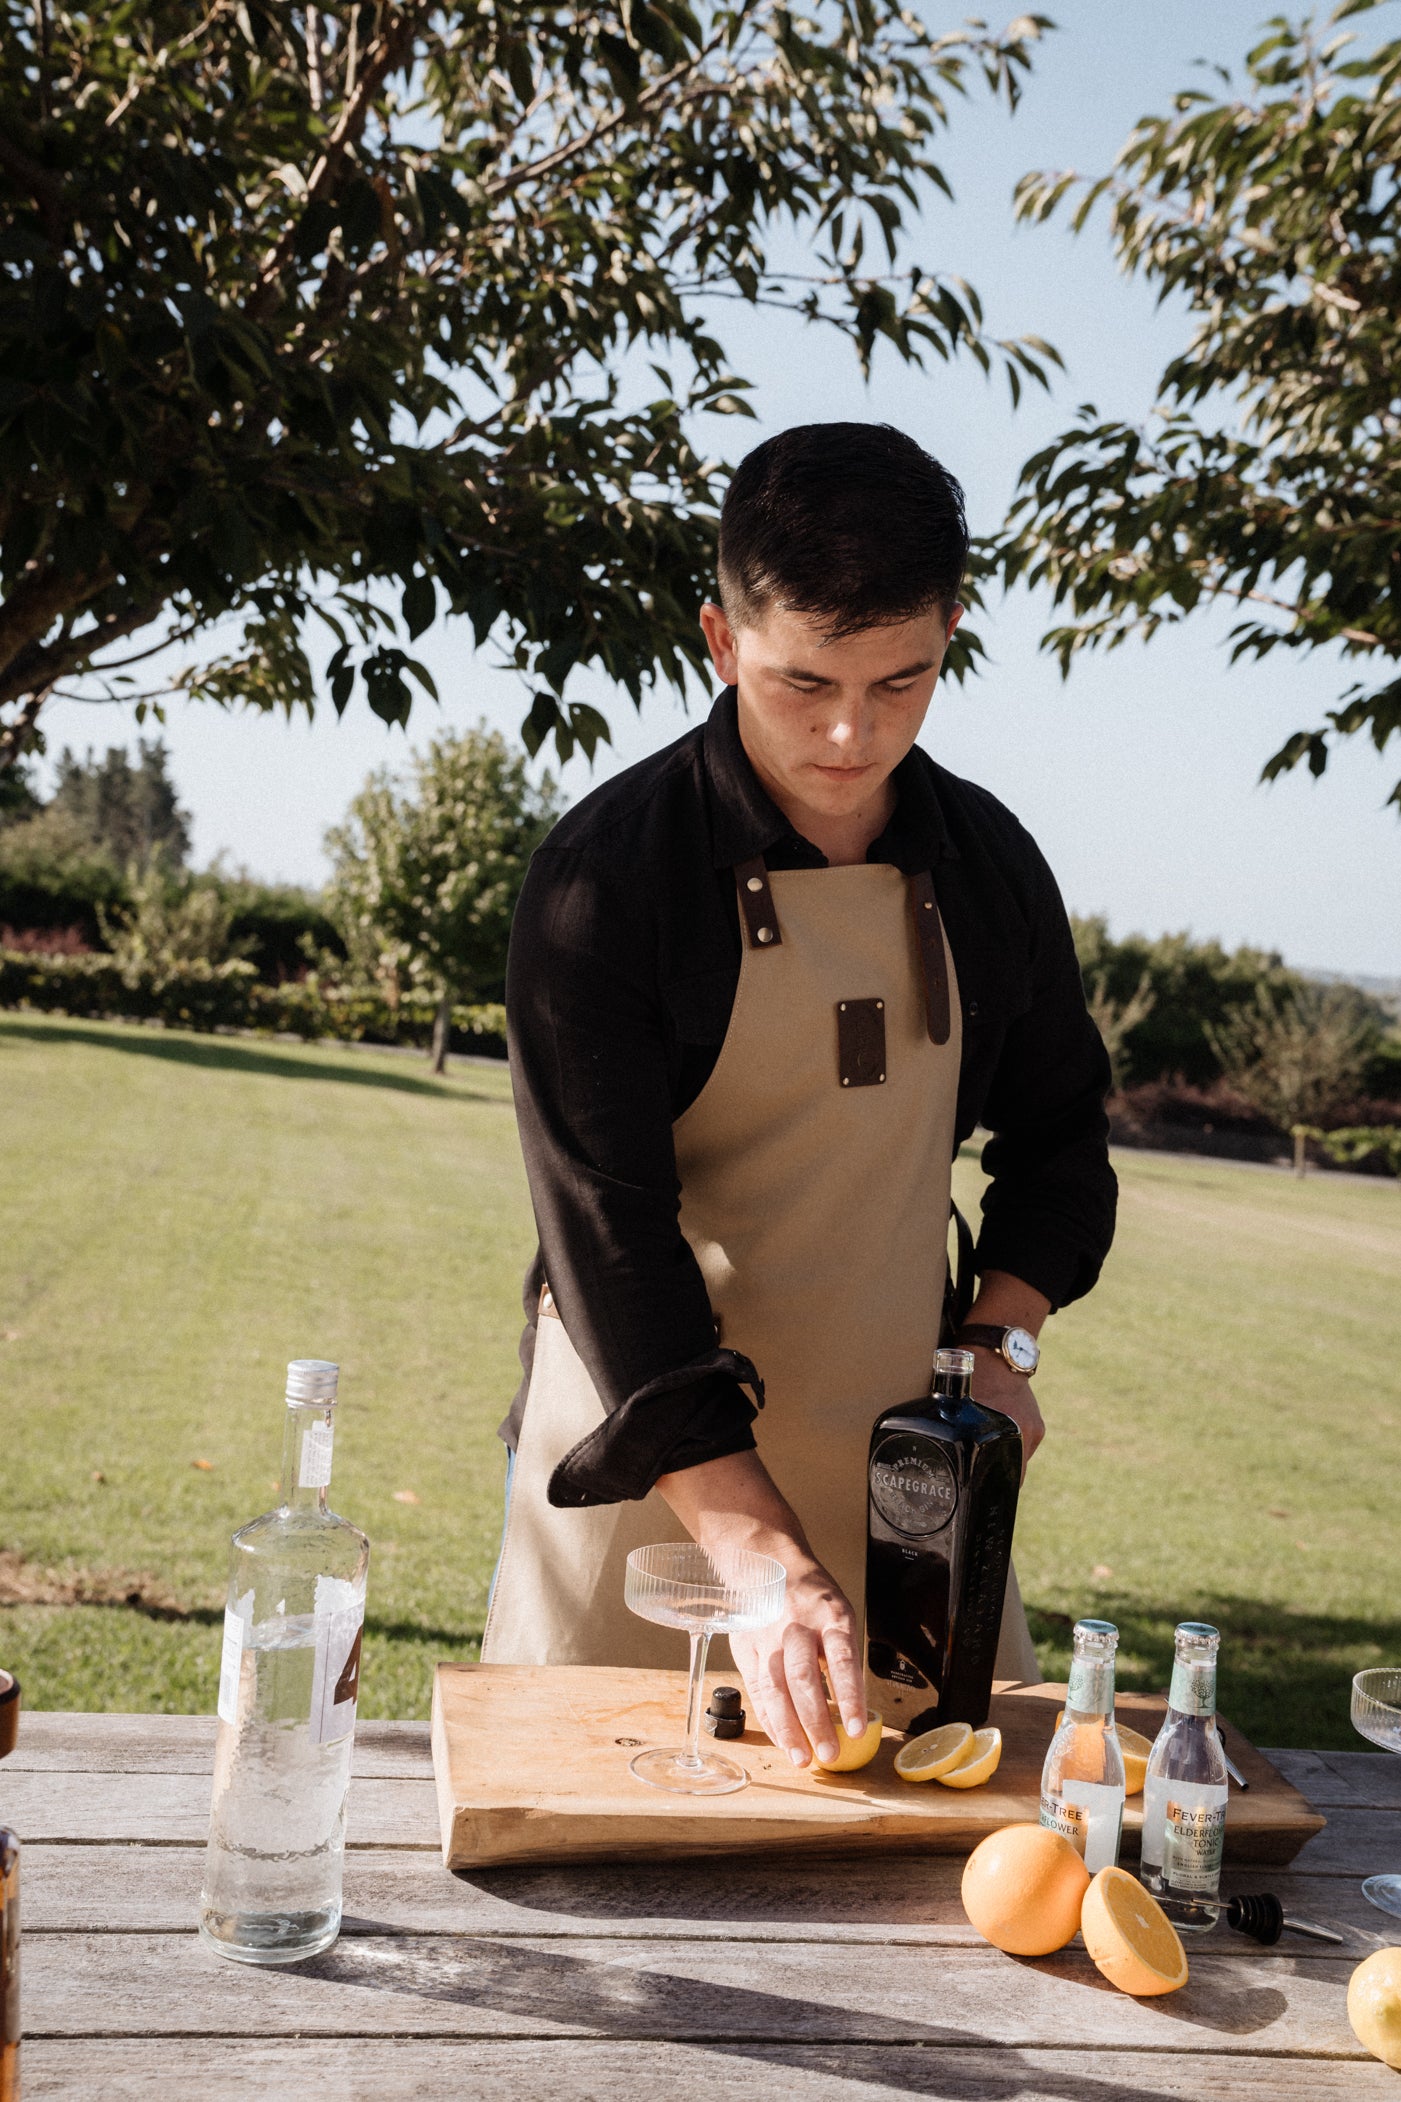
x: 232, y: 996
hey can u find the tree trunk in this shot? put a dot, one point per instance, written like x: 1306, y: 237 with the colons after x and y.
x: 442, y: 1029
x: 1300, y: 1157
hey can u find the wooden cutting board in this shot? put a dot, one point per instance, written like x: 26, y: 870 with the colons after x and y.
x: 531, y: 1764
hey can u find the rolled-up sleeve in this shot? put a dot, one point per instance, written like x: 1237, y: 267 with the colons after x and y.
x: 1048, y: 1211
x: 593, y: 1096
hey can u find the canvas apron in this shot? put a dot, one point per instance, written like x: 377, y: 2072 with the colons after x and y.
x: 818, y: 1212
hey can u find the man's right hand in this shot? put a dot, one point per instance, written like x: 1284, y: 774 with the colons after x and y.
x: 734, y: 1503
x: 782, y: 1667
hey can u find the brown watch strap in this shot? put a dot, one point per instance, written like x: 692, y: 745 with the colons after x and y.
x: 985, y: 1336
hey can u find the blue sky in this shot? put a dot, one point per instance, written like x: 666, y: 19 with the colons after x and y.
x: 1139, y: 775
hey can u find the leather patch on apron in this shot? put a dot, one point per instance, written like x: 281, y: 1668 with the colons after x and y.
x: 861, y: 1043
x: 929, y: 935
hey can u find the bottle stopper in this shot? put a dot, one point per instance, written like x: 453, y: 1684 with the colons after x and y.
x: 725, y: 1716
x: 9, y: 1712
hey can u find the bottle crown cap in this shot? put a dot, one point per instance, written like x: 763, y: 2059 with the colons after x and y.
x: 954, y: 1362
x: 312, y: 1379
x: 1199, y: 1637
x: 1096, y: 1637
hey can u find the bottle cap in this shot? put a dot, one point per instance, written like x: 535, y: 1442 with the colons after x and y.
x: 1198, y: 1635
x: 312, y: 1379
x: 1099, y: 1637
x: 956, y: 1362
x: 724, y: 1717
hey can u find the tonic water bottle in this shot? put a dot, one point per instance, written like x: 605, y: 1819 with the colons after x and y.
x: 288, y: 1685
x: 1184, y: 1794
x: 1082, y: 1782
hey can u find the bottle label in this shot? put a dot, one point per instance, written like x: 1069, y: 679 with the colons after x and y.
x: 912, y: 1485
x: 335, y: 1674
x: 1194, y: 1836
x: 1091, y: 1818
x: 1193, y: 1688
x: 317, y: 1441
x: 1091, y: 1688
x: 236, y: 1618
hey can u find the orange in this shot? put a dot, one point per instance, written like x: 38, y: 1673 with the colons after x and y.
x: 1135, y: 1750
x: 1374, y: 2005
x: 1129, y: 1936
x: 1022, y: 1889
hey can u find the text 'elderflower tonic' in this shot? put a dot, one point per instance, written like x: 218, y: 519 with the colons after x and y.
x: 287, y: 1692
x: 1184, y: 1792
x: 1082, y: 1782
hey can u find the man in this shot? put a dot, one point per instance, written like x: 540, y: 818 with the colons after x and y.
x: 761, y: 986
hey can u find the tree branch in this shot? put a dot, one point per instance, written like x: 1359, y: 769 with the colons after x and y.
x: 381, y: 60
x: 547, y: 162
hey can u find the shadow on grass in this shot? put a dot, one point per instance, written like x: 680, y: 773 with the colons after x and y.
x: 224, y: 1055
x: 1286, y: 1672
x: 405, y: 1631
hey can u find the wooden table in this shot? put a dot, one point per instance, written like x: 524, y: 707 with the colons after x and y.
x: 820, y: 1981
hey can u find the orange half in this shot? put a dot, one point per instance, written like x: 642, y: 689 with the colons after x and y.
x: 1129, y: 1936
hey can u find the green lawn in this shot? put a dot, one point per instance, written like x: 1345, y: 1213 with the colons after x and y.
x: 182, y: 1214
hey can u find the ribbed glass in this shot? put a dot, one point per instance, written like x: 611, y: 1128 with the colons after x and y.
x: 1376, y: 1715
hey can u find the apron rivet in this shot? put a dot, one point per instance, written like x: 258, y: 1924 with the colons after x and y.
x: 766, y: 934
x: 845, y: 1082
x: 755, y: 883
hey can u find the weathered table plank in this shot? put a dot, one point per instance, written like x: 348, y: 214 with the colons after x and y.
x: 184, y: 1744
x: 162, y: 1809
x: 124, y: 1889
x: 366, y: 2069
x: 169, y: 1985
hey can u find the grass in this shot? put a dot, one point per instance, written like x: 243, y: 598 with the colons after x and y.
x: 182, y: 1214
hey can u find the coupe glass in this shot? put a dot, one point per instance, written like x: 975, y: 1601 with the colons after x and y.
x: 707, y: 1593
x: 1376, y: 1715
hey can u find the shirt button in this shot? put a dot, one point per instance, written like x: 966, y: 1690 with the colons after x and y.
x: 972, y: 1009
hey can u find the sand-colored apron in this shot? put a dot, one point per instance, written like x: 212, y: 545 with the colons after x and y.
x: 814, y: 1170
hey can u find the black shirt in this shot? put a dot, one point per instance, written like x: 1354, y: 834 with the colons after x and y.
x: 624, y: 960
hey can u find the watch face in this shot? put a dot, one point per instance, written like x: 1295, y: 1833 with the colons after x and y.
x: 1021, y: 1349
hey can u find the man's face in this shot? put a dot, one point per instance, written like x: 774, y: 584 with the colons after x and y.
x: 825, y: 724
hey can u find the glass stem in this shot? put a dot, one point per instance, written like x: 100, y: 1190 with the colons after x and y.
x: 700, y: 1649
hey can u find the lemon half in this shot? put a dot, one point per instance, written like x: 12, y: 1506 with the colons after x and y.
x: 978, y: 1764
x: 933, y: 1752
x: 851, y: 1751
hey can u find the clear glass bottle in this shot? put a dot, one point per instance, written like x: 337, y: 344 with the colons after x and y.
x: 9, y: 1910
x: 1082, y: 1781
x: 287, y: 1692
x: 1184, y: 1793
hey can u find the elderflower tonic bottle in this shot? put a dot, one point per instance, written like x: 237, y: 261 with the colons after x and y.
x: 1082, y: 1781
x: 287, y: 1692
x: 1184, y: 1793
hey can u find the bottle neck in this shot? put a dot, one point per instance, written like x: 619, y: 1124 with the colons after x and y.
x: 1091, y: 1688
x: 951, y: 1386
x: 307, y: 1439
x: 1193, y: 1688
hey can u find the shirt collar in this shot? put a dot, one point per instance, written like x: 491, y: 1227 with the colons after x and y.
x: 745, y: 820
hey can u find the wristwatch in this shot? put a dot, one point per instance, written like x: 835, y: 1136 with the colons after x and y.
x: 1016, y: 1347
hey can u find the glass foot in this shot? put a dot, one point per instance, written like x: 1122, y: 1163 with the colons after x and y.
x: 1385, y: 1893
x: 711, y: 1775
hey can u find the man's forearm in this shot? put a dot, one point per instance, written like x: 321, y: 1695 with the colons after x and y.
x: 1004, y: 1301
x: 735, y: 1502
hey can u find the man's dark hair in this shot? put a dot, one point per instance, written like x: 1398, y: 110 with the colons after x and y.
x: 851, y: 524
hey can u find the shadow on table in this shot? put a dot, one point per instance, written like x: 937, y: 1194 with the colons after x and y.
x: 585, y: 1997
x: 227, y: 1055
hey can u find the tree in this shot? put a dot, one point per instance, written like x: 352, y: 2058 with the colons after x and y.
x: 318, y: 320
x: 129, y: 812
x: 1117, y: 1019
x: 1297, y: 1059
x: 1270, y: 479
x: 425, y: 879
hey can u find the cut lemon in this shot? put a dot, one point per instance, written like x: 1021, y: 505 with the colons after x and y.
x: 927, y: 1756
x: 1130, y: 1938
x: 1135, y: 1750
x: 1374, y: 2005
x: 978, y: 1764
x: 851, y: 1751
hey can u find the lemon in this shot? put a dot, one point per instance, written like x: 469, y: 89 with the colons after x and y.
x: 978, y: 1764
x: 1374, y: 2005
x: 851, y: 1751
x: 1130, y: 1938
x: 925, y: 1757
x: 1135, y: 1749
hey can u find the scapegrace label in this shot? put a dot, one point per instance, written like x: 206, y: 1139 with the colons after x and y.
x: 913, y: 1486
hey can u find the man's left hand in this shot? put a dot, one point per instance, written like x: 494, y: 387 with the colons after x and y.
x: 997, y: 1386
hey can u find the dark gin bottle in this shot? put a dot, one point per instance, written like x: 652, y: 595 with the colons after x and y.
x: 943, y: 1481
